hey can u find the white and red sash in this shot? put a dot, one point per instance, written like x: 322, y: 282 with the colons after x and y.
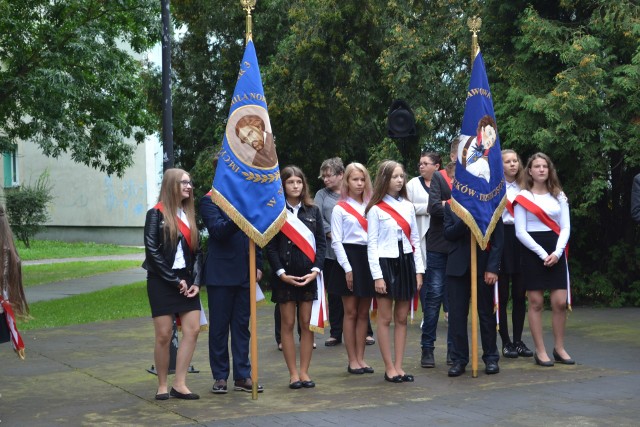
x: 509, y: 206
x: 182, y: 226
x: 16, y: 339
x: 532, y: 207
x: 351, y: 210
x: 304, y: 239
x: 406, y: 229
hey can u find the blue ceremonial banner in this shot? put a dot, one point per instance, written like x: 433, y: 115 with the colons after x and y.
x: 478, y: 194
x: 247, y: 184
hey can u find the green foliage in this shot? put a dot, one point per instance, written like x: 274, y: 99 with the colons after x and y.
x: 27, y: 208
x: 53, y: 249
x: 68, y: 84
x: 568, y: 84
x: 565, y: 80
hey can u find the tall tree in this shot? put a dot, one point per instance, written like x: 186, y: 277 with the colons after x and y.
x: 569, y: 85
x: 68, y: 80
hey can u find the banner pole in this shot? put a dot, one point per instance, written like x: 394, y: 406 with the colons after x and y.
x: 254, y: 323
x: 474, y: 308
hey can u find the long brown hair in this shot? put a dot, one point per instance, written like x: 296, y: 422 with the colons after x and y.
x: 293, y: 170
x: 553, y: 182
x: 11, y: 269
x: 520, y: 173
x: 171, y: 199
x: 344, y: 187
x: 381, y: 184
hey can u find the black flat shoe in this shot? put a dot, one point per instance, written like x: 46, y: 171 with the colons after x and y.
x: 189, y: 396
x: 407, y: 378
x: 559, y: 359
x: 367, y: 370
x: 308, y: 384
x: 295, y: 385
x: 396, y: 379
x: 356, y: 371
x: 162, y: 396
x: 547, y: 364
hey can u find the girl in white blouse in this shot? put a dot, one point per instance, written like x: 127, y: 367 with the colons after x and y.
x: 510, y: 276
x: 349, y: 242
x: 393, y: 251
x: 542, y: 225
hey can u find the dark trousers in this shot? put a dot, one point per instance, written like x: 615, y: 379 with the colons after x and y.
x: 334, y: 302
x: 518, y: 305
x: 229, y: 311
x: 459, y: 304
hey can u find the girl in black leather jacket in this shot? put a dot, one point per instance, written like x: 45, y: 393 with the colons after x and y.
x: 294, y: 273
x: 172, y: 264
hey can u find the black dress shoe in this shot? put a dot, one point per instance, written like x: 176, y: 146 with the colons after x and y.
x: 356, y: 371
x: 427, y: 360
x: 367, y: 370
x: 295, y: 385
x: 457, y: 369
x: 396, y: 379
x: 189, y: 396
x: 308, y: 384
x: 162, y: 396
x: 546, y: 364
x: 407, y: 378
x: 559, y: 359
x: 332, y: 342
x: 491, y: 368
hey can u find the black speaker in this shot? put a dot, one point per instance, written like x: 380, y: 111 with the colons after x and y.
x: 401, y: 123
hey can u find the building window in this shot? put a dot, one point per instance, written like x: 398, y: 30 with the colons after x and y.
x: 10, y: 169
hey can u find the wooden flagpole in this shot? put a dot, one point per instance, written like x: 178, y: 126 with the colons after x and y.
x: 474, y: 26
x: 254, y: 323
x: 474, y: 307
x: 247, y: 6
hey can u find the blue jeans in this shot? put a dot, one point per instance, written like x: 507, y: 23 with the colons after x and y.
x: 433, y: 297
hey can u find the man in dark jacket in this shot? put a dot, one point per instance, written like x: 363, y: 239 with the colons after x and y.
x: 459, y: 286
x: 226, y: 275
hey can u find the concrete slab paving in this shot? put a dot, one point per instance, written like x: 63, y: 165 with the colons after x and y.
x: 95, y: 374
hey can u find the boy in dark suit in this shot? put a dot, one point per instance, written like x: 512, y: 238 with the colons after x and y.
x: 226, y: 275
x: 458, y: 277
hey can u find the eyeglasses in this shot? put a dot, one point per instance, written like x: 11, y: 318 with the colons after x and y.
x: 327, y: 176
x: 426, y: 164
x: 185, y: 183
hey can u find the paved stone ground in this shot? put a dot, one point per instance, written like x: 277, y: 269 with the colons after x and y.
x: 95, y: 374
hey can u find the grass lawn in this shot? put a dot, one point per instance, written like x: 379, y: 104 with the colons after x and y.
x: 48, y: 273
x: 47, y: 249
x: 119, y: 302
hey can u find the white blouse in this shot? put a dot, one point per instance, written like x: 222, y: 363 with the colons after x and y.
x: 179, y: 261
x: 345, y: 228
x: 512, y: 192
x: 525, y: 221
x: 384, y: 234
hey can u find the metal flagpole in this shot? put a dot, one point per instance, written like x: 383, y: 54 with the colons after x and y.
x: 474, y: 26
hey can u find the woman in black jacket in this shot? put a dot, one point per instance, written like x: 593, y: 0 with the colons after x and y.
x: 295, y: 272
x: 172, y: 261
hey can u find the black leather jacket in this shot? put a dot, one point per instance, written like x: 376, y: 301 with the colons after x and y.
x: 159, y: 257
x: 283, y: 254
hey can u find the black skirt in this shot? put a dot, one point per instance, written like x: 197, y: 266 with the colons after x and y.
x: 166, y: 299
x: 535, y: 275
x: 363, y: 286
x: 510, y: 263
x: 284, y: 292
x: 399, y: 275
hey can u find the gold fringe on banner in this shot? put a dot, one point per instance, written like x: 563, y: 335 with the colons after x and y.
x: 244, y: 225
x: 465, y: 215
